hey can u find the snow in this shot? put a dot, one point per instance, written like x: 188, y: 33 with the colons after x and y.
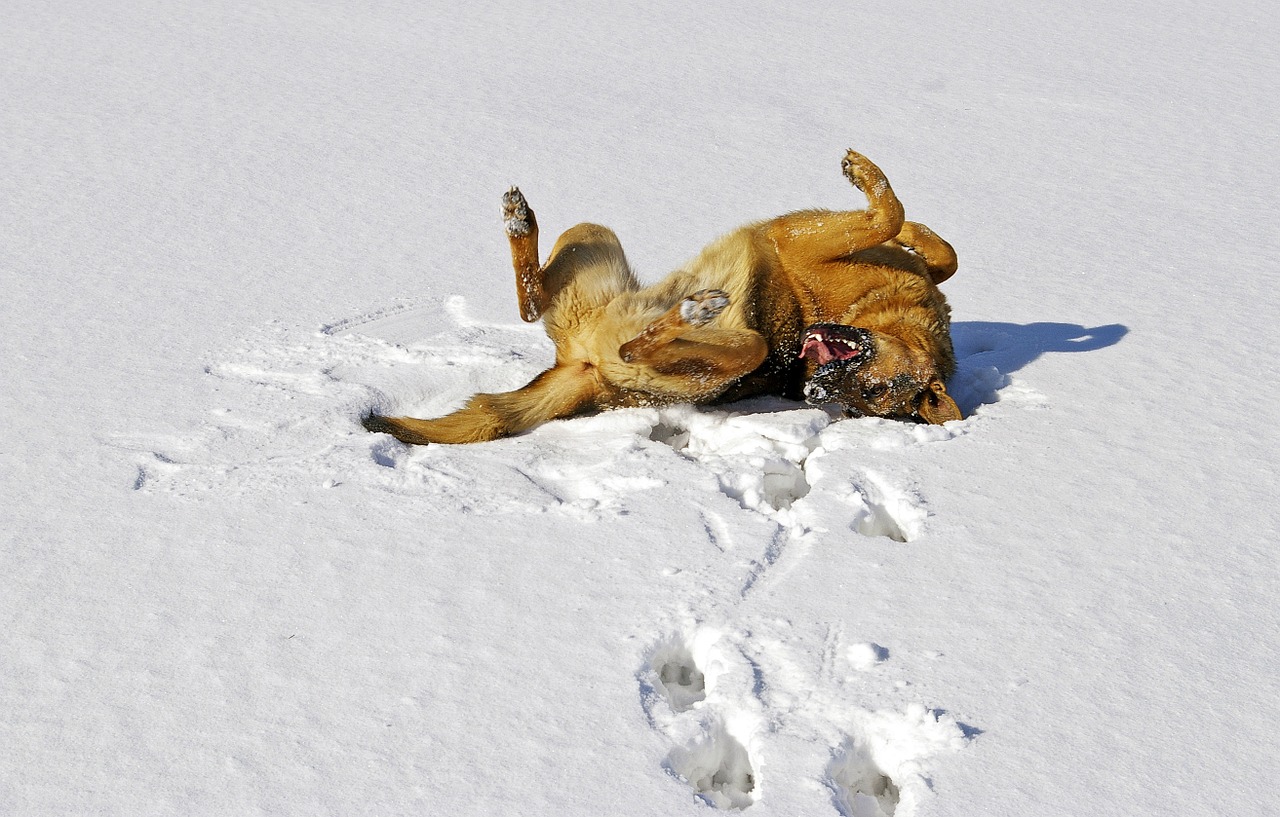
x: 228, y: 229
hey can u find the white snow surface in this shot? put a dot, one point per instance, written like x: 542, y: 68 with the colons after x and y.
x: 228, y: 229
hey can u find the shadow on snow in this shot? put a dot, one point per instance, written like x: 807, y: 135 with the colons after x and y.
x: 987, y: 352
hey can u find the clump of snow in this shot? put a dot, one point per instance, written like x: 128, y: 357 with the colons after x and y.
x: 866, y: 655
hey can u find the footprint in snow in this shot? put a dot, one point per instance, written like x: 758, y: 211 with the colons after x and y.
x: 678, y: 677
x: 859, y: 787
x: 717, y: 767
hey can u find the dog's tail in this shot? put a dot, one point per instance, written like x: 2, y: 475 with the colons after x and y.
x: 561, y: 391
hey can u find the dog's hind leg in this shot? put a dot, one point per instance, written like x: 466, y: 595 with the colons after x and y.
x: 937, y: 254
x: 811, y: 237
x: 586, y: 270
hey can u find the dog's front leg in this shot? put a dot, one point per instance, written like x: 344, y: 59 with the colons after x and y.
x: 698, y: 309
x: 522, y: 234
x: 680, y: 343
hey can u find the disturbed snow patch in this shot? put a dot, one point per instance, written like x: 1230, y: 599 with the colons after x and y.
x: 882, y: 509
x: 290, y: 401
x: 767, y: 455
x: 717, y: 767
x: 866, y: 655
x: 721, y: 697
x: 758, y: 459
x: 860, y: 788
x: 768, y: 461
x: 286, y: 419
x: 709, y: 724
x: 674, y: 671
x: 878, y: 770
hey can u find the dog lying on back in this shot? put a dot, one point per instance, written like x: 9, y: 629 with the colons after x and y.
x: 838, y: 307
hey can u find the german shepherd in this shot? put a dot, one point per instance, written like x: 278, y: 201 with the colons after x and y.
x: 837, y: 307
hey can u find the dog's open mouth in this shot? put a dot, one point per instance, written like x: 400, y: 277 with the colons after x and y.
x: 827, y: 342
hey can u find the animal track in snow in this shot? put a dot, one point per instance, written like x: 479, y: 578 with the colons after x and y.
x: 883, y: 510
x: 877, y: 771
x: 710, y: 737
x: 718, y: 697
x: 673, y: 675
x: 767, y: 459
x: 679, y: 678
x: 718, y: 768
x: 674, y: 670
x: 859, y: 787
x: 758, y: 460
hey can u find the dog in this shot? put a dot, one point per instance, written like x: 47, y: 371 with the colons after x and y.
x: 837, y: 307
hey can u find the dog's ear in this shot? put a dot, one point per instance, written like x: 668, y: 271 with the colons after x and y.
x: 937, y: 407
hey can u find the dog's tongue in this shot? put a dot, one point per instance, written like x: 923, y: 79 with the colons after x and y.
x: 815, y: 348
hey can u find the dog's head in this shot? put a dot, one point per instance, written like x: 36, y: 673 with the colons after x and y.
x: 870, y: 374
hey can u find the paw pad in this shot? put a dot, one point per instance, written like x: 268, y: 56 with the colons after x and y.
x: 702, y: 306
x: 852, y: 165
x: 515, y: 213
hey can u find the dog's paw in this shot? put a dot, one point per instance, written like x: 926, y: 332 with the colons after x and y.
x: 854, y: 168
x: 702, y: 306
x: 515, y: 213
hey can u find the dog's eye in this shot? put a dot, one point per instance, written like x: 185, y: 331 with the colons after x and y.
x: 873, y: 392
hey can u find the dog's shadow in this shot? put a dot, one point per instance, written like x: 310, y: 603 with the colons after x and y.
x: 987, y: 352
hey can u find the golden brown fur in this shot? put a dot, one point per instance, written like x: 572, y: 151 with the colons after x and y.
x: 731, y: 323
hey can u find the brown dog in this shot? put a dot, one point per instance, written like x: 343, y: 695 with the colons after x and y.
x: 842, y: 307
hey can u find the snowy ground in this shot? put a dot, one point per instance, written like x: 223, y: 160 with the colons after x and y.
x: 229, y: 229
